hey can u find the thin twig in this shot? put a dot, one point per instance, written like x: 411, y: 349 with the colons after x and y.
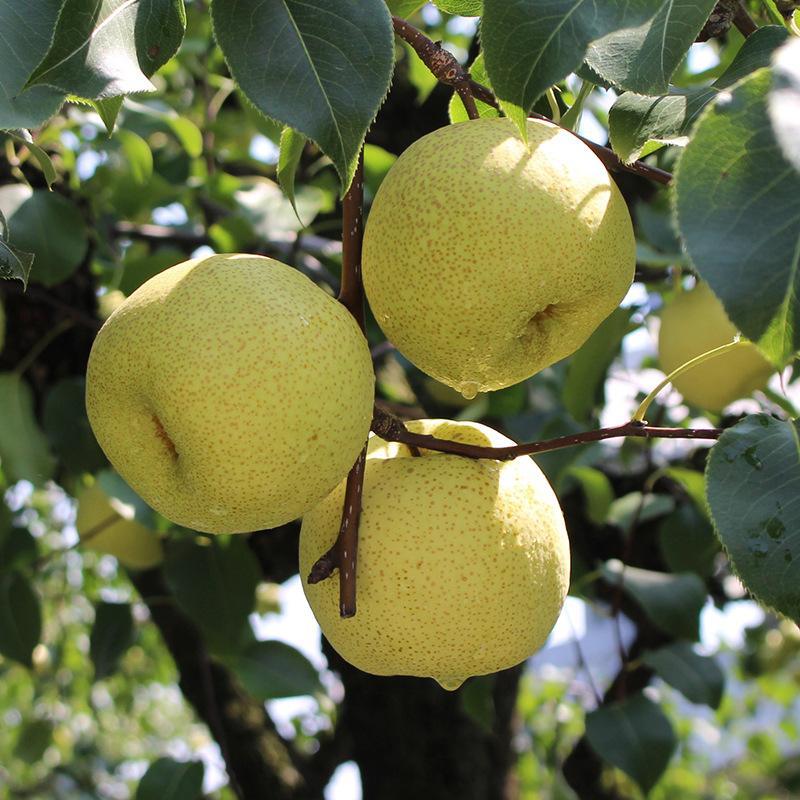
x: 343, y: 555
x: 430, y: 54
x: 392, y: 429
x: 743, y: 21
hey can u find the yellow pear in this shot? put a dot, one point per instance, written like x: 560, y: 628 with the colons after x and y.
x: 106, y: 525
x: 230, y: 392
x: 486, y: 260
x: 463, y: 564
x: 693, y: 323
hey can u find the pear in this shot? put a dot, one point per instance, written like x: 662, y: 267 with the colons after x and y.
x: 693, y: 323
x: 230, y: 392
x: 487, y: 259
x: 108, y: 526
x: 463, y: 564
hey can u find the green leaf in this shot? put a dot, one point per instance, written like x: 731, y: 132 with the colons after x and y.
x: 587, y: 368
x: 112, y: 635
x: 466, y: 8
x: 634, y: 45
x: 269, y: 670
x: 636, y: 119
x: 404, y: 8
x: 596, y: 488
x: 24, y: 451
x: 635, y: 736
x: 166, y: 779
x: 20, y: 618
x: 377, y: 163
x: 477, y: 701
x: 738, y: 208
x: 18, y: 549
x: 291, y: 149
x: 108, y: 109
x: 215, y: 585
x: 48, y: 170
x: 456, y: 108
x: 687, y: 541
x: 673, y: 602
x: 116, y: 488
x: 638, y: 508
x: 137, y: 270
x: 648, y: 43
x: 784, y: 101
x: 162, y: 117
x: 508, y: 401
x: 698, y: 678
x: 105, y: 48
x: 753, y: 482
x: 692, y: 482
x: 322, y: 68
x: 35, y: 736
x: 270, y: 213
x: 15, y: 265
x: 67, y: 427
x: 137, y: 155
x: 29, y: 109
x: 48, y: 226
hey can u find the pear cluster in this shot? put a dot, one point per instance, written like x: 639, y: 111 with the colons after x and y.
x: 234, y: 395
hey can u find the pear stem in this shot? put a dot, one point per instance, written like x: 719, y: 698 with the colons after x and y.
x: 432, y: 56
x: 709, y: 354
x: 343, y: 555
x: 392, y: 429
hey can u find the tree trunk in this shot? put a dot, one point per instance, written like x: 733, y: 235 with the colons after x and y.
x: 412, y: 739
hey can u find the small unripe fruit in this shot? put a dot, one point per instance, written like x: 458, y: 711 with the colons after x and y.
x: 107, y: 526
x: 694, y: 323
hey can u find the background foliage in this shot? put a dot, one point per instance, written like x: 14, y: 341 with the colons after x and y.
x: 138, y: 134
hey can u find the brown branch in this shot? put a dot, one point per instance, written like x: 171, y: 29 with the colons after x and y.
x: 455, y: 75
x: 344, y: 553
x: 743, y: 21
x: 442, y: 63
x: 393, y: 430
x: 194, y: 236
x: 351, y: 294
x: 719, y: 21
x: 467, y: 98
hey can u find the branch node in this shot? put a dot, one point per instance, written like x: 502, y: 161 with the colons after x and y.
x: 387, y: 426
x: 324, y: 566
